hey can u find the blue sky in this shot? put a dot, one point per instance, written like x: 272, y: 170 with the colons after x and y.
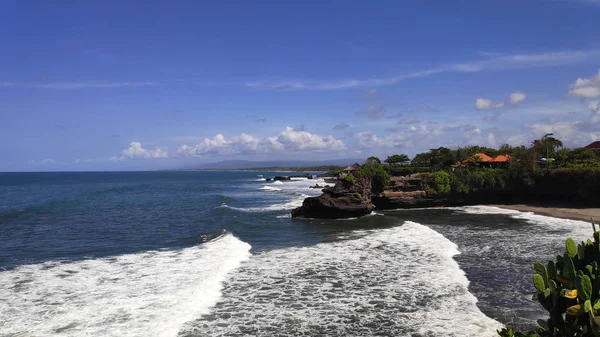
x: 149, y: 85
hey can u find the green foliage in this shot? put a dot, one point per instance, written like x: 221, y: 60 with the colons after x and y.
x: 510, y: 332
x: 569, y: 289
x: 467, y: 152
x: 470, y: 180
x: 580, y: 185
x: 373, y: 169
x: 358, y: 195
x: 436, y: 158
x: 505, y: 149
x: 397, y: 159
x: 421, y: 159
x: 577, y: 158
x: 349, y: 180
x: 442, y: 182
x: 439, y: 183
x: 546, y: 146
x: 524, y: 160
x: 400, y: 171
x: 372, y: 160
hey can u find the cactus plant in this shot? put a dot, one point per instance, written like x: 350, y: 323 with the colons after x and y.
x: 569, y: 289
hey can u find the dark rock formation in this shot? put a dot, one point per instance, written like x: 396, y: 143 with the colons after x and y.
x: 338, y: 202
x: 319, y: 186
x: 281, y: 178
x: 408, y: 199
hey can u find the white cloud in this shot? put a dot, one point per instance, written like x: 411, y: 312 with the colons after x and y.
x: 586, y: 87
x: 595, y: 109
x: 517, y: 97
x: 372, y: 92
x: 370, y: 141
x: 486, y: 104
x: 493, y: 61
x: 288, y: 140
x: 572, y: 134
x: 47, y: 161
x: 518, y: 140
x: 136, y: 151
x: 302, y: 140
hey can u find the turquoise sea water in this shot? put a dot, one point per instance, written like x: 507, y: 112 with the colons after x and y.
x: 217, y: 254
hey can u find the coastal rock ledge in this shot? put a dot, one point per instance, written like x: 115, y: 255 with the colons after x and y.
x: 337, y: 202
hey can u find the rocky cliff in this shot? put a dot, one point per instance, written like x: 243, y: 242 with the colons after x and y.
x: 338, y: 202
x: 348, y: 201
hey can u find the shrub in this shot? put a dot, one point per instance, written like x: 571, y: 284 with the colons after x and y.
x: 569, y: 289
x: 373, y: 169
x: 349, y: 180
x: 407, y: 170
x: 439, y: 182
x: 442, y: 181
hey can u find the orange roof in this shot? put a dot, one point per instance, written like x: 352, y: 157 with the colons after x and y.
x: 484, y: 157
x: 501, y: 159
x: 487, y: 159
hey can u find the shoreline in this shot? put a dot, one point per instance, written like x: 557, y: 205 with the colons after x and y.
x: 564, y: 212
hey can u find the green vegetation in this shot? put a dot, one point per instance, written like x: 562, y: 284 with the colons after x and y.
x: 565, y: 175
x: 570, y: 175
x: 349, y: 180
x: 374, y: 170
x: 569, y: 289
x: 399, y: 171
x: 397, y: 159
x: 439, y: 183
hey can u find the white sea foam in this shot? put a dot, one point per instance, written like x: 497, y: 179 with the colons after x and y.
x: 292, y: 194
x: 296, y: 202
x: 400, y: 281
x: 148, y: 294
x: 270, y: 188
x: 580, y: 230
x: 484, y: 210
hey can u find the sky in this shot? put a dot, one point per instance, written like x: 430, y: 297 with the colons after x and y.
x: 143, y: 85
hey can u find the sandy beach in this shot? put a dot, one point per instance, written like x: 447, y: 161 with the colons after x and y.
x: 583, y: 214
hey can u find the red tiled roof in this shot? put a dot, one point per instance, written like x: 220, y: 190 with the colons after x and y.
x: 594, y: 146
x: 484, y: 158
x: 501, y: 159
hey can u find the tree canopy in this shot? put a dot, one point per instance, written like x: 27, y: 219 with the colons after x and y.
x: 397, y: 159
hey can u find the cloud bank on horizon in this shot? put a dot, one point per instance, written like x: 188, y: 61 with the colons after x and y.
x: 195, y: 83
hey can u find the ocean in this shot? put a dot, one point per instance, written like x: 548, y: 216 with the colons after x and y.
x: 198, y: 253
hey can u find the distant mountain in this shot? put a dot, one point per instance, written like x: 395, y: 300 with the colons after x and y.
x: 247, y: 164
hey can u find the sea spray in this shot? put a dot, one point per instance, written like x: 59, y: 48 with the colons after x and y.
x: 147, y: 294
x: 395, y: 281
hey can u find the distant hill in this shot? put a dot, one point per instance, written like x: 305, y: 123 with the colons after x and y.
x: 248, y: 164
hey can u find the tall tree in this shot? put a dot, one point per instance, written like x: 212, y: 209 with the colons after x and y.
x: 397, y: 159
x: 546, y: 146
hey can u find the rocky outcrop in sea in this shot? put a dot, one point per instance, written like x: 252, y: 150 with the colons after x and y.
x: 338, y: 202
